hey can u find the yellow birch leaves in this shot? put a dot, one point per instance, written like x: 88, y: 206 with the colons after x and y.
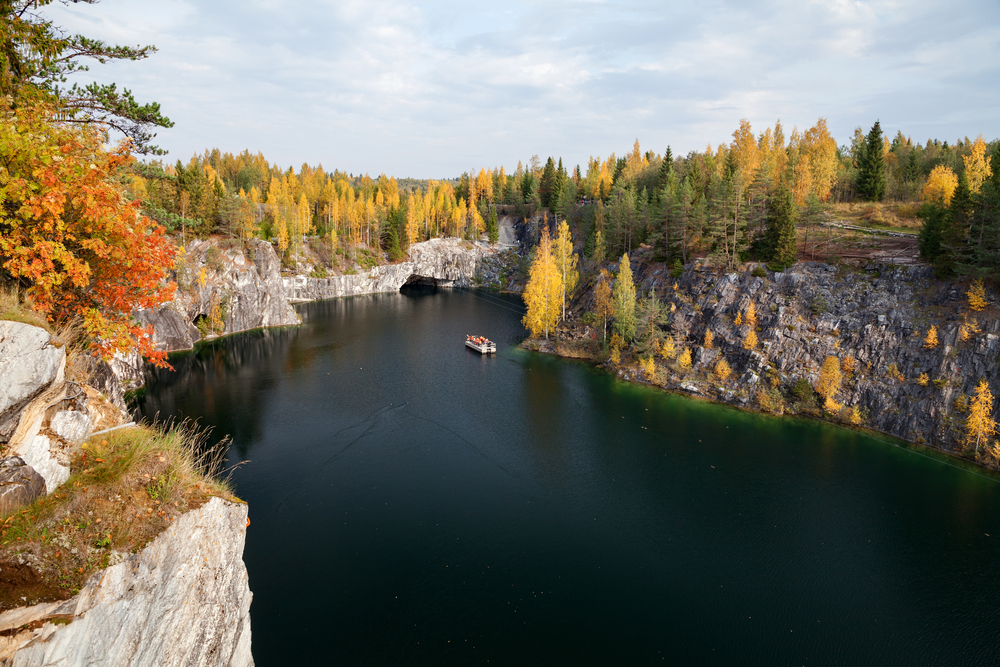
x: 543, y: 293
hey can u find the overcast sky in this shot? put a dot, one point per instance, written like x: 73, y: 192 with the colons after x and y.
x: 430, y: 90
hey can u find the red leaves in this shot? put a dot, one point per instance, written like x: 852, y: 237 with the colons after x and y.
x: 67, y: 228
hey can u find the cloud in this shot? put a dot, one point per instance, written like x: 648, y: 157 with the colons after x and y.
x: 438, y: 88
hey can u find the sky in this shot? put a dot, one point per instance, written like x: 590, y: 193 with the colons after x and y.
x: 434, y: 89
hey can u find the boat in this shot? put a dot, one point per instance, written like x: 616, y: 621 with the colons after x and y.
x: 481, y: 344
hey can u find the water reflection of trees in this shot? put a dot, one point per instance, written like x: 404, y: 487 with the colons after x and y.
x: 224, y: 383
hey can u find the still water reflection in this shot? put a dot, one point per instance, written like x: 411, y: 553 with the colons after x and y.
x: 416, y: 503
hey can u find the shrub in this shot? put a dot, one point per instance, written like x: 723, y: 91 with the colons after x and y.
x: 759, y: 272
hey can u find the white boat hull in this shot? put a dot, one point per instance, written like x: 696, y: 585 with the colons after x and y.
x: 489, y: 348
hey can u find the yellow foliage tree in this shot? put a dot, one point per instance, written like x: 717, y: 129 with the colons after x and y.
x: 829, y: 378
x: 685, y: 359
x: 543, y: 291
x: 739, y: 320
x: 648, y: 365
x: 668, y: 350
x: 980, y: 425
x: 855, y: 417
x: 562, y: 249
x: 604, y: 305
x: 723, y: 370
x: 751, y: 315
x: 940, y: 186
x: 931, y: 339
x: 977, y: 165
x: 977, y: 296
x: 923, y: 380
x: 750, y: 341
x: 968, y: 329
x: 709, y: 337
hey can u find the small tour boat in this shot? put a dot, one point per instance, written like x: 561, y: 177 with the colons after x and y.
x: 481, y: 344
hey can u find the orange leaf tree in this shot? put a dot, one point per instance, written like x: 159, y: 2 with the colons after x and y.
x: 69, y: 234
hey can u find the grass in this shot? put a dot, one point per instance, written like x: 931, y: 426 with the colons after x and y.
x: 125, y: 488
x: 14, y: 308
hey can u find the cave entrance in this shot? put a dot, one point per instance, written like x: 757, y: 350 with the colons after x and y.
x: 197, y: 321
x: 416, y: 282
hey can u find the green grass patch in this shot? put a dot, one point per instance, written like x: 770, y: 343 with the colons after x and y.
x: 125, y: 488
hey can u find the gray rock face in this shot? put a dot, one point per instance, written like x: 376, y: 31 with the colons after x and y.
x: 71, y: 425
x: 183, y: 600
x: 38, y: 453
x: 879, y: 315
x: 441, y: 262
x: 19, y: 483
x: 246, y: 287
x: 29, y: 363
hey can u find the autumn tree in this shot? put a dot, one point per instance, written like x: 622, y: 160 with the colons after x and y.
x: 750, y: 340
x: 751, y: 315
x: 624, y: 300
x: 69, y: 234
x: 684, y: 361
x: 829, y: 378
x: 931, y: 340
x: 980, y: 425
x: 709, y: 337
x: 562, y: 249
x: 723, y: 370
x: 543, y: 292
x: 940, y: 186
x: 604, y: 305
x: 977, y: 165
x: 977, y: 295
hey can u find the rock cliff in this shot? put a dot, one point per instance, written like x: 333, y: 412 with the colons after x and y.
x: 877, y: 316
x: 183, y: 600
x: 440, y: 262
x: 229, y: 288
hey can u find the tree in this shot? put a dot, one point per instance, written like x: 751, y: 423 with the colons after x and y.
x: 931, y: 340
x: 685, y: 359
x: 70, y: 235
x: 779, y: 245
x: 562, y: 249
x: 977, y: 165
x: 36, y: 57
x: 940, y: 186
x: 750, y: 340
x: 709, y: 337
x: 977, y: 296
x: 723, y: 370
x: 980, y: 425
x: 624, y: 299
x: 544, y: 289
x: 492, y: 228
x: 604, y: 305
x: 547, y: 183
x: 871, y: 166
x: 751, y: 315
x: 829, y: 378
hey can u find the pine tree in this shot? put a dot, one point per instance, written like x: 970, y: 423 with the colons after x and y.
x: 709, y: 337
x: 544, y: 289
x: 751, y: 315
x: 779, y: 245
x: 624, y: 299
x: 723, y: 370
x: 980, y: 425
x: 977, y: 296
x: 685, y: 359
x: 547, y: 183
x: 750, y: 341
x: 492, y: 228
x: 871, y: 166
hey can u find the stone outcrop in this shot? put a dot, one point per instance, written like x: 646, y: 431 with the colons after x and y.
x: 19, y: 483
x: 878, y: 315
x: 440, y: 262
x: 182, y: 600
x: 243, y: 288
x: 29, y: 363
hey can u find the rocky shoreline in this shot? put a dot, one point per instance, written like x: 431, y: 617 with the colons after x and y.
x: 874, y: 319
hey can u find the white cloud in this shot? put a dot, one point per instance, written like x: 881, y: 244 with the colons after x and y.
x: 439, y: 88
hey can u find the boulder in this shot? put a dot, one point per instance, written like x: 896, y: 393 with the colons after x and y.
x: 29, y: 364
x: 19, y: 483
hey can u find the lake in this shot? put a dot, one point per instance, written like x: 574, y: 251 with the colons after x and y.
x: 415, y: 503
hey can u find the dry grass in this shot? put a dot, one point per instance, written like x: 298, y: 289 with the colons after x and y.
x: 889, y: 215
x: 15, y: 308
x: 126, y: 487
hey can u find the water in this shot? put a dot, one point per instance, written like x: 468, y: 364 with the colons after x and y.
x: 415, y: 503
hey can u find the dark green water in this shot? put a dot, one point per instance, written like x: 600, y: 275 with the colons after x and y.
x: 414, y: 503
